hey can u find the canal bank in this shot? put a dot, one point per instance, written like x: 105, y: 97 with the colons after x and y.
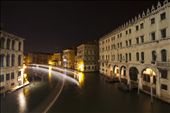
x: 94, y: 96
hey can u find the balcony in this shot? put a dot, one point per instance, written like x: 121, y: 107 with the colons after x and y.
x: 163, y: 64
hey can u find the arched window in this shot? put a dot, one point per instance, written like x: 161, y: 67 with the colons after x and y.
x: 163, y: 55
x: 126, y: 57
x: 8, y: 60
x: 2, y: 43
x: 137, y: 56
x: 153, y: 56
x: 2, y: 60
x: 8, y: 44
x: 19, y: 60
x: 19, y: 46
x: 13, y: 59
x: 13, y: 44
x: 142, y: 57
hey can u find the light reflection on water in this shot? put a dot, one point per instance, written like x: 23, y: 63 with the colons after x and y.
x: 22, y: 101
x: 81, y: 79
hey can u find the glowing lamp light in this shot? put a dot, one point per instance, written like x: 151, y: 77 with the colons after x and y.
x: 81, y: 67
x: 81, y: 78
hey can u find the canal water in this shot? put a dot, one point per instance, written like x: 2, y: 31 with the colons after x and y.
x: 92, y: 95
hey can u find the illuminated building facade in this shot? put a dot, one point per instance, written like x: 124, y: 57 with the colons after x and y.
x: 11, y: 61
x: 138, y: 52
x: 68, y: 58
x: 38, y: 57
x: 87, y: 57
x: 55, y: 59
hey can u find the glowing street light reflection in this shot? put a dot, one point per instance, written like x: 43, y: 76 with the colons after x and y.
x: 81, y: 79
x: 22, y: 102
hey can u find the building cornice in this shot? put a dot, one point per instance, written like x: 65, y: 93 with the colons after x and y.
x: 133, y: 21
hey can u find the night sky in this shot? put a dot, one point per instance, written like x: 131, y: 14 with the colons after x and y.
x: 55, y: 25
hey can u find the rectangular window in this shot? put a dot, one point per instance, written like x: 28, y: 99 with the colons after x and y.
x: 163, y: 33
x: 120, y: 34
x: 163, y: 16
x: 12, y: 75
x: 153, y: 36
x: 137, y: 56
x: 142, y: 39
x: 141, y: 26
x: 130, y: 42
x: 163, y: 86
x: 129, y: 56
x: 137, y: 28
x: 142, y: 57
x: 152, y: 20
x: 7, y: 76
x: 137, y: 40
x: 164, y: 73
x: 120, y: 44
x: 126, y: 32
x: 130, y: 31
x: 1, y: 78
x: 126, y: 43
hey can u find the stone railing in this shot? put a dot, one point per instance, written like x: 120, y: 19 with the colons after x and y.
x: 163, y: 64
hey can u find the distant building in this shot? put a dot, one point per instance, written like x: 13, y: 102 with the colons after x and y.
x: 11, y: 61
x: 38, y: 57
x: 87, y: 57
x: 139, y: 51
x: 56, y: 59
x: 68, y: 58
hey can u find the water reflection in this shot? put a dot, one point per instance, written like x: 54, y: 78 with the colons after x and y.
x: 81, y: 78
x: 49, y: 74
x: 22, y: 102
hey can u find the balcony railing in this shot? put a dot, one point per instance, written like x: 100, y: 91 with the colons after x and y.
x: 163, y: 64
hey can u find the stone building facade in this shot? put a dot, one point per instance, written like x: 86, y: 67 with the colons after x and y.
x: 68, y: 58
x: 87, y: 58
x: 138, y: 52
x: 11, y: 61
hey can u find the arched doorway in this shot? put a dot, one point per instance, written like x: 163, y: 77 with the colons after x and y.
x: 123, y: 73
x: 149, y: 77
x: 116, y: 70
x: 133, y: 73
